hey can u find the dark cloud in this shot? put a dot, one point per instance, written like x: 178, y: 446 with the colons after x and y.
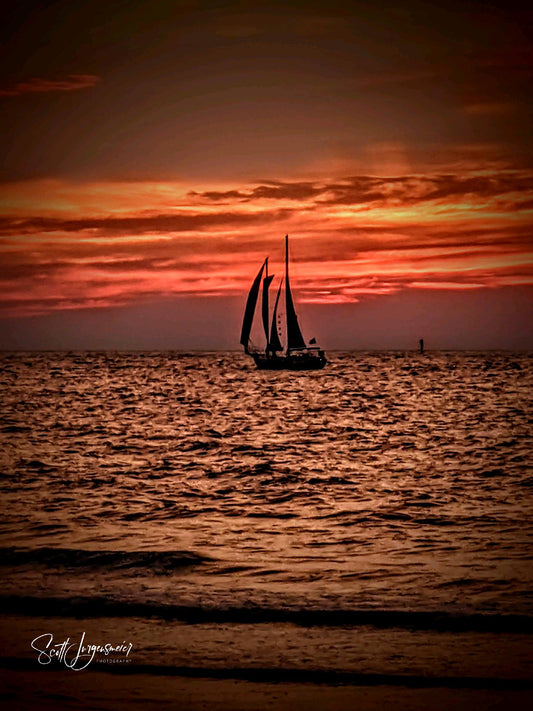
x: 134, y: 225
x: 363, y: 189
x: 271, y: 190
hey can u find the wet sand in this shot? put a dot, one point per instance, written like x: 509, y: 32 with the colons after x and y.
x: 47, y: 690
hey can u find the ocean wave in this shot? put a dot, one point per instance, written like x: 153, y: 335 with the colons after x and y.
x: 297, y: 675
x: 416, y: 620
x: 77, y: 558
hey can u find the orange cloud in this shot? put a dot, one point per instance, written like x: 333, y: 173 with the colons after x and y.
x: 74, y: 82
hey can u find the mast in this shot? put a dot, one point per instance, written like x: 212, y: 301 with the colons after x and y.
x: 250, y: 309
x: 295, y: 339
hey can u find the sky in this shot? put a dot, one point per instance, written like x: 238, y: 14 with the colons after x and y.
x: 153, y: 153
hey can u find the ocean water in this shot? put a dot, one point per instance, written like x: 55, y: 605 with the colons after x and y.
x: 365, y: 524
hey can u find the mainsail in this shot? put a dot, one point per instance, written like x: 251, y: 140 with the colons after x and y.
x: 274, y: 344
x: 250, y: 309
x: 294, y: 335
x: 266, y: 283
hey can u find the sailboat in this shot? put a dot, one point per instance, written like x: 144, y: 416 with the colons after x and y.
x: 296, y: 355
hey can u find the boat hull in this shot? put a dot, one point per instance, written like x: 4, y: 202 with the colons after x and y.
x: 301, y: 361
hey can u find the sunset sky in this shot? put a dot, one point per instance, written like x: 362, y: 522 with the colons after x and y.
x: 155, y: 152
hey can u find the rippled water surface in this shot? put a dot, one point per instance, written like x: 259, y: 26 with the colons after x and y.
x: 395, y: 486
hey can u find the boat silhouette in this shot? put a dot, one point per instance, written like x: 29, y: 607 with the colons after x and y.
x: 296, y: 354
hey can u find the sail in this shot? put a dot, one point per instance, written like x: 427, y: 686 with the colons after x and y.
x: 266, y: 283
x: 294, y: 335
x: 274, y: 344
x: 250, y: 309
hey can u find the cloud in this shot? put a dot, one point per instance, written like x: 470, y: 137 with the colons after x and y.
x: 74, y: 82
x: 396, y: 78
x: 489, y: 108
x: 353, y: 236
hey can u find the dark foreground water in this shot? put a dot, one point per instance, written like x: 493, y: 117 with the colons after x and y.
x: 366, y: 525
